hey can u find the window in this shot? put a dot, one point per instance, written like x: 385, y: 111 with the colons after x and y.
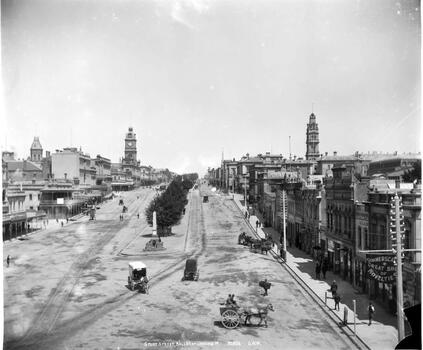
x: 30, y: 196
x: 359, y: 237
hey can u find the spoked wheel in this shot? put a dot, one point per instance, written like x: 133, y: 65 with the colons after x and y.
x: 230, y: 319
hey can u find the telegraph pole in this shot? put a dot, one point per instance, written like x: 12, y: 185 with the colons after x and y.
x: 396, y: 216
x: 284, y: 222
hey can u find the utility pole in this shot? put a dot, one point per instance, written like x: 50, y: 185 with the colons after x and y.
x: 397, y: 235
x: 284, y: 222
x: 245, y: 188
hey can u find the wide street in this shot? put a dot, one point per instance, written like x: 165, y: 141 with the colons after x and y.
x: 66, y: 287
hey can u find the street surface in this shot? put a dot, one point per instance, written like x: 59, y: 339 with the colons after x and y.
x: 66, y: 287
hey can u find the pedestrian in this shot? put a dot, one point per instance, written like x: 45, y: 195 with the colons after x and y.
x: 371, y: 310
x: 334, y: 288
x: 265, y: 285
x: 257, y: 224
x: 61, y: 222
x: 337, y: 299
x: 8, y: 260
x: 138, y: 215
x: 318, y: 271
x: 57, y: 220
x: 67, y: 220
x: 324, y: 269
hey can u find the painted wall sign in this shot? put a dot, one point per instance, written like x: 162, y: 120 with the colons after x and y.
x: 381, y: 268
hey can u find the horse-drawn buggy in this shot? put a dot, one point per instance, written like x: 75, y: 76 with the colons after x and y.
x: 138, y: 276
x: 191, y: 271
x: 121, y: 201
x: 262, y: 245
x: 244, y: 239
x: 124, y: 209
x: 232, y: 315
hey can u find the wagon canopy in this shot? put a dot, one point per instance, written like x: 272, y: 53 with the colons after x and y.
x: 137, y: 265
x: 191, y: 265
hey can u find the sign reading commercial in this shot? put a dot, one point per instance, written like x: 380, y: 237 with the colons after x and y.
x: 381, y: 268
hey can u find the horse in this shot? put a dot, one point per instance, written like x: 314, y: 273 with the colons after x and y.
x: 257, y: 312
x: 266, y: 245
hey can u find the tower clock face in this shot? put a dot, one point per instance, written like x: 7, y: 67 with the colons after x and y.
x: 129, y: 144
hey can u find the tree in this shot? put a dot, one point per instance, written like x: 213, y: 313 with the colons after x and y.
x: 168, y: 206
x: 414, y: 174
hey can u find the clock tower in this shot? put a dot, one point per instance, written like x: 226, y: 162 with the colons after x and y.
x: 130, y: 157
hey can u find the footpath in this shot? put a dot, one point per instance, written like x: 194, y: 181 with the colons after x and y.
x: 381, y: 334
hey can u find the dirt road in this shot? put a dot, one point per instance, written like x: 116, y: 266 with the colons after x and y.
x: 85, y: 303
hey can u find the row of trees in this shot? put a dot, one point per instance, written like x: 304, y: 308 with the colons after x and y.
x: 169, y: 205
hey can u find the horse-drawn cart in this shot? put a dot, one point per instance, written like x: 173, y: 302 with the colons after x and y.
x: 138, y: 276
x: 262, y: 245
x: 232, y: 315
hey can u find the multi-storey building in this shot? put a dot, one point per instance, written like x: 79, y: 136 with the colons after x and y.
x: 59, y: 200
x: 394, y: 166
x: 341, y: 194
x: 74, y: 165
x: 103, y: 170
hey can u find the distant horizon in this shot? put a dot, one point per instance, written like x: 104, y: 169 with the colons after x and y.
x: 195, y: 77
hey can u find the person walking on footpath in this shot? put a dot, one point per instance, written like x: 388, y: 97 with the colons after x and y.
x: 371, y: 310
x: 8, y: 260
x: 318, y: 271
x: 334, y: 288
x: 337, y: 299
x: 257, y: 224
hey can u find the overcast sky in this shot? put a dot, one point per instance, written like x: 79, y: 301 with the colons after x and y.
x: 194, y: 77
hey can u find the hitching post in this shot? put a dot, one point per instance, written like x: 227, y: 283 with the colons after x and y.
x: 355, y: 311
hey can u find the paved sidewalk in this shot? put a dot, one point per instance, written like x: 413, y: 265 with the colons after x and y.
x: 382, y: 334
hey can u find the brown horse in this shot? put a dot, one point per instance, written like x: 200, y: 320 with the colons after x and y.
x: 257, y: 312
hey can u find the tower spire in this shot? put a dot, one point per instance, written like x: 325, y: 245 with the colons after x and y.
x: 312, y: 141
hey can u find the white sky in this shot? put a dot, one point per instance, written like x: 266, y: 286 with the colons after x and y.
x: 195, y: 77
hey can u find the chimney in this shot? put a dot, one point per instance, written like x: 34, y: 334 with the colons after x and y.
x: 335, y: 153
